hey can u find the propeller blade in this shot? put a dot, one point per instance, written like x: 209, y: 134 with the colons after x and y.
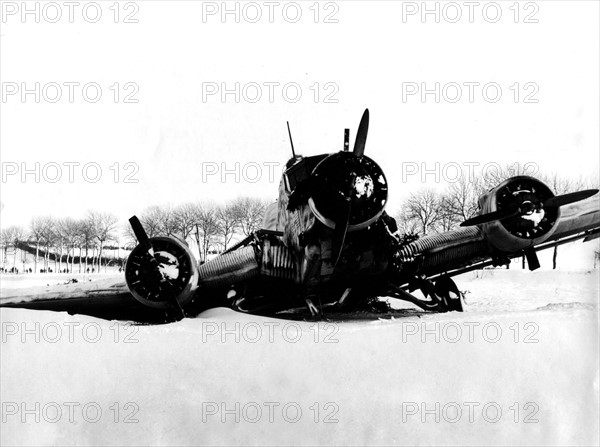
x: 140, y: 233
x: 565, y: 199
x: 144, y: 241
x: 339, y: 234
x: 361, y: 135
x: 485, y: 218
x: 532, y: 259
x: 555, y: 201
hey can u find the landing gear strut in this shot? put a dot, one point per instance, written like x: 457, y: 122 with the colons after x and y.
x: 443, y: 295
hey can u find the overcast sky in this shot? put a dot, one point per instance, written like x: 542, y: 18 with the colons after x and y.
x: 516, y: 84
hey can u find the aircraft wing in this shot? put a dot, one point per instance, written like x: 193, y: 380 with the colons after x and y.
x: 470, y: 248
x: 107, y: 298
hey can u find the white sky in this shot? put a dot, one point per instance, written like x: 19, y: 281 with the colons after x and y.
x: 171, y: 53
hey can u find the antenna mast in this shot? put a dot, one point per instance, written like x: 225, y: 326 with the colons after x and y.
x: 291, y: 141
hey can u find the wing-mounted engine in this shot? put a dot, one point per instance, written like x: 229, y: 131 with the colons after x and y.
x: 520, y: 213
x: 161, y: 272
x: 526, y: 216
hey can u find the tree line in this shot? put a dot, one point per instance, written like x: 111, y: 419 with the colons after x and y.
x: 61, y: 240
x: 213, y: 227
x: 68, y: 241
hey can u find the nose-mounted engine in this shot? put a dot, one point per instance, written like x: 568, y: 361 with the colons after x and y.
x: 349, y: 188
x: 346, y: 191
x: 528, y: 216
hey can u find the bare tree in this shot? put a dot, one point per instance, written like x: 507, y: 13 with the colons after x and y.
x: 127, y: 231
x: 48, y: 235
x: 424, y: 207
x: 69, y: 230
x: 249, y: 213
x: 406, y: 225
x: 150, y: 219
x: 159, y: 221
x: 185, y: 217
x: 18, y: 236
x: 58, y: 244
x: 495, y: 175
x: 227, y: 222
x: 37, y: 236
x: 103, y: 225
x: 5, y: 241
x: 206, y: 228
x: 11, y: 237
x: 164, y: 221
x: 117, y: 239
x: 168, y: 223
x: 461, y: 198
x: 24, y: 252
x: 448, y: 220
x: 563, y: 185
x: 85, y: 239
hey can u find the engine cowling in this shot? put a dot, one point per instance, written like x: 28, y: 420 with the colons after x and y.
x: 170, y: 273
x: 532, y: 226
x: 344, y: 178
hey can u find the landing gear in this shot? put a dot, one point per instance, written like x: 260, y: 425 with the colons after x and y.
x: 443, y: 295
x: 447, y: 291
x: 314, y: 310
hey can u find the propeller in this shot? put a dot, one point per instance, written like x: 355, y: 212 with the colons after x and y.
x: 528, y: 207
x: 361, y: 135
x: 572, y: 197
x: 485, y: 218
x: 152, y: 268
x: 140, y: 233
x: 341, y: 225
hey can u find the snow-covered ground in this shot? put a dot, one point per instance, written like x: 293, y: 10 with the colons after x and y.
x: 518, y: 367
x: 10, y: 282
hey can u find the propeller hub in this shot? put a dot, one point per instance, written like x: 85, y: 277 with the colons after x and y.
x: 527, y: 208
x: 522, y: 200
